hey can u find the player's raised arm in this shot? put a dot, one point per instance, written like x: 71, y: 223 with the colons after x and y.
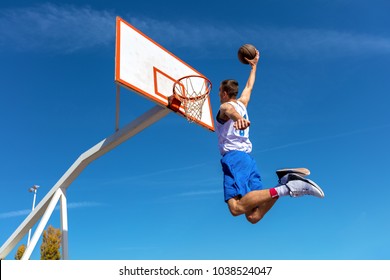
x: 246, y: 93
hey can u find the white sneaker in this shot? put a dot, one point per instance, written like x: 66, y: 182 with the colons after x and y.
x: 299, y: 186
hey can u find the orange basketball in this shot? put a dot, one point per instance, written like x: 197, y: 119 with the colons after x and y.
x: 248, y: 51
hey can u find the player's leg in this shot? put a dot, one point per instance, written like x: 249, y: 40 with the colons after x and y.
x: 295, y: 186
x: 241, y: 205
x: 242, y: 183
x: 258, y: 213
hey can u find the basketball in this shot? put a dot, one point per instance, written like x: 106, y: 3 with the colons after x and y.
x: 248, y: 51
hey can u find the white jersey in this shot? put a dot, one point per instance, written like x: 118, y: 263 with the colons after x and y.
x: 231, y: 139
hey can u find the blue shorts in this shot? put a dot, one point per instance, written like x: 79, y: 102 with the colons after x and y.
x: 240, y: 174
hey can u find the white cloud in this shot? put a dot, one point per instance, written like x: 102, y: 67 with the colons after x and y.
x: 161, y: 173
x: 51, y: 27
x: 309, y: 42
x: 84, y: 204
x: 287, y: 41
x: 325, y: 138
x: 67, y: 28
x: 12, y: 214
x: 200, y: 193
x: 194, y: 194
x: 72, y: 205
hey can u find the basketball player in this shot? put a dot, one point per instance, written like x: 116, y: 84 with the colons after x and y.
x: 243, y: 189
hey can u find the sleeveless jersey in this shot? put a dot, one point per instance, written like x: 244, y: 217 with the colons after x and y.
x: 231, y: 139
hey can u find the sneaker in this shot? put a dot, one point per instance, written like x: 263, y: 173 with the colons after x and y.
x: 299, y: 186
x: 300, y: 171
x: 283, y: 173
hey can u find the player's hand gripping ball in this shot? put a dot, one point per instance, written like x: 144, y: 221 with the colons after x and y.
x: 246, y: 51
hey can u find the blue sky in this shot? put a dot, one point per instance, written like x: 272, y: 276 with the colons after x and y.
x: 320, y: 101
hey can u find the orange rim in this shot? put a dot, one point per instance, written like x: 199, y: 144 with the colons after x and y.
x: 207, y: 85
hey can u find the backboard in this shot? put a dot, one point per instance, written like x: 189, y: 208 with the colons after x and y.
x: 147, y: 68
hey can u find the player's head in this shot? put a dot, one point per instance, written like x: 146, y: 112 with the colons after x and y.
x: 230, y: 87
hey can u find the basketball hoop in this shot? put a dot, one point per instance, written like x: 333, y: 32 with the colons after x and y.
x: 191, y: 92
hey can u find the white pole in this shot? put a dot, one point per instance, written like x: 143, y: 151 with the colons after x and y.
x: 42, y: 224
x: 34, y: 189
x: 64, y: 225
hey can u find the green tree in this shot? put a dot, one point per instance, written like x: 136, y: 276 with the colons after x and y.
x: 51, y: 243
x: 20, y: 252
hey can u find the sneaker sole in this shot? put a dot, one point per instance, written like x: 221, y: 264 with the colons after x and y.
x: 294, y: 175
x: 300, y: 171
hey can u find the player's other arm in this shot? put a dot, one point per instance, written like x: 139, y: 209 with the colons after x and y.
x: 227, y: 111
x: 246, y: 93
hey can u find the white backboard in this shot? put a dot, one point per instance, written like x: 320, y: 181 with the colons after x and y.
x: 147, y: 68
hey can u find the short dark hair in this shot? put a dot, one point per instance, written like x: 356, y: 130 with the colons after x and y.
x: 230, y: 86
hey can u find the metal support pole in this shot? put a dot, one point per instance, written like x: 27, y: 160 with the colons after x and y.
x: 118, y: 88
x: 42, y: 225
x: 106, y: 145
x: 64, y: 225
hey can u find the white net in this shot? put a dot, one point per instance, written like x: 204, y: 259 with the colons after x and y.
x: 192, y: 91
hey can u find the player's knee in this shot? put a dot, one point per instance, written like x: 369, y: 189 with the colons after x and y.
x: 254, y: 218
x: 235, y: 208
x: 234, y: 211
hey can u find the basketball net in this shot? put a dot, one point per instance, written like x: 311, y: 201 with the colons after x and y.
x: 192, y: 91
